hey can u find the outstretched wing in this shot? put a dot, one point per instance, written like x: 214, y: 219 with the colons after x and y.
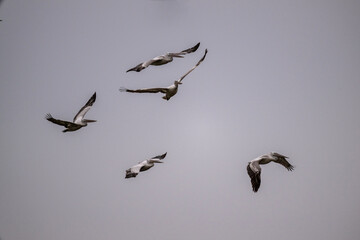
x: 192, y: 69
x: 141, y: 66
x: 144, y: 90
x: 80, y: 115
x: 58, y: 121
x: 159, y: 157
x: 255, y: 178
x: 281, y: 159
x: 186, y: 51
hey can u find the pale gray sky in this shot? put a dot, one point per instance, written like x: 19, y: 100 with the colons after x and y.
x: 279, y: 76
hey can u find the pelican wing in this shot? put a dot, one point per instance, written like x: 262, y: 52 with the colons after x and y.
x: 186, y: 51
x: 141, y: 66
x: 144, y: 90
x: 281, y: 159
x: 159, y: 157
x: 192, y: 69
x: 58, y: 121
x: 155, y: 61
x: 80, y: 115
x: 255, y: 178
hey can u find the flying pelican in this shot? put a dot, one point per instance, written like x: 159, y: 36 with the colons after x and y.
x: 144, y: 165
x: 169, y: 91
x: 254, y: 170
x: 78, y: 121
x: 163, y: 59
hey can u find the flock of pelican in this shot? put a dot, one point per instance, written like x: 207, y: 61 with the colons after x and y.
x: 172, y: 89
x: 253, y: 167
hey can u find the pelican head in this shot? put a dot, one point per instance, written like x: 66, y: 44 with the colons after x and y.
x: 156, y: 161
x: 88, y: 120
x: 177, y: 83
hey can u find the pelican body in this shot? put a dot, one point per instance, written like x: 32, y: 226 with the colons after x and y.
x: 254, y: 169
x: 163, y: 59
x: 78, y: 121
x: 168, y: 91
x: 143, y: 166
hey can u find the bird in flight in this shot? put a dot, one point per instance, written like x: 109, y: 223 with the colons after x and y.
x: 168, y: 91
x: 144, y: 165
x: 254, y: 169
x: 78, y: 121
x: 163, y: 59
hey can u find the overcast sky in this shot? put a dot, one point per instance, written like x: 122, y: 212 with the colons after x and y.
x: 279, y: 76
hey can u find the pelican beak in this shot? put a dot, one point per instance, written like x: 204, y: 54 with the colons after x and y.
x: 88, y: 120
x: 178, y: 56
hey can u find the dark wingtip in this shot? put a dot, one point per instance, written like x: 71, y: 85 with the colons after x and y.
x: 161, y: 156
x: 196, y: 46
x: 131, y: 69
x: 254, y: 179
x: 256, y: 185
x: 137, y: 68
x: 48, y: 116
x: 92, y: 99
x: 202, y: 59
x: 129, y: 174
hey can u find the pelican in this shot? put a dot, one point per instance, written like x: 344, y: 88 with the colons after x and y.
x: 254, y: 170
x: 144, y: 165
x: 78, y: 121
x: 169, y: 91
x: 163, y: 59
